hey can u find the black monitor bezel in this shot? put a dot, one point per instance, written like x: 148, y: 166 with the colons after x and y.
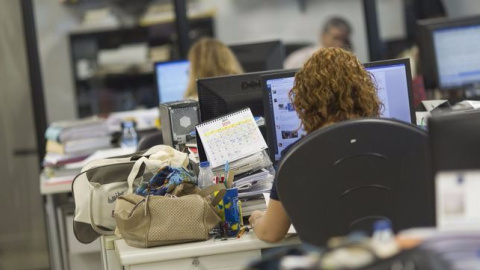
x: 204, y: 83
x: 157, y: 92
x: 406, y: 62
x: 269, y: 122
x: 428, y: 49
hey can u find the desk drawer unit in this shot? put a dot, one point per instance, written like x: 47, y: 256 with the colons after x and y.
x: 237, y: 260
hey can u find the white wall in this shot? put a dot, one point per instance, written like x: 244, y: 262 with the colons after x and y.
x: 23, y: 244
x: 253, y: 20
x: 53, y: 23
x: 459, y: 8
x: 391, y: 19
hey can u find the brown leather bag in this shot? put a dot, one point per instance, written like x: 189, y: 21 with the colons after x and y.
x: 163, y: 220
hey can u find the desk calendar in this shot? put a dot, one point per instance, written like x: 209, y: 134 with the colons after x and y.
x: 231, y: 137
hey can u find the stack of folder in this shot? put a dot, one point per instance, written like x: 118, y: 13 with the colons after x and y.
x: 70, y: 142
x: 78, y: 137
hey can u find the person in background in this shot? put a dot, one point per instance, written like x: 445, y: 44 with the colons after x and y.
x: 335, y: 33
x: 332, y: 86
x: 209, y: 58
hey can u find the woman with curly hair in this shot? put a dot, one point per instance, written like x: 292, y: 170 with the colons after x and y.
x: 332, y: 86
x: 209, y: 58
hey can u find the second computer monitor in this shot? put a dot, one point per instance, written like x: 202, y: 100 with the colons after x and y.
x: 260, y: 56
x: 449, y: 52
x: 172, y: 80
x: 393, y: 81
x: 221, y: 95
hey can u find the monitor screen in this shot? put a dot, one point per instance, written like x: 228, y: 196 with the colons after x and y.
x: 457, y: 56
x: 449, y: 53
x: 287, y: 127
x: 172, y: 80
x: 393, y: 80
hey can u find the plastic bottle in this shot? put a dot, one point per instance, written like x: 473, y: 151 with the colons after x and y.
x: 129, y: 135
x: 383, y: 239
x: 205, y: 176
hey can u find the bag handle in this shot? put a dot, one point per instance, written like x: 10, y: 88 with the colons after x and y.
x: 92, y: 220
x: 151, y: 165
x: 211, y: 189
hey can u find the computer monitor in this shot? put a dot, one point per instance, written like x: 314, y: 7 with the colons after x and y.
x: 454, y: 141
x: 283, y: 125
x: 393, y: 79
x: 172, y: 80
x: 260, y: 56
x: 218, y: 96
x: 449, y: 52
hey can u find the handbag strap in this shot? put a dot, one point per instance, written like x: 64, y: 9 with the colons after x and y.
x: 92, y: 220
x: 151, y: 165
x: 212, y: 189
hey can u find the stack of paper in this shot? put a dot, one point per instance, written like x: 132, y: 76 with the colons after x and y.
x: 70, y: 142
x: 77, y: 137
x: 77, y: 129
x: 251, y: 204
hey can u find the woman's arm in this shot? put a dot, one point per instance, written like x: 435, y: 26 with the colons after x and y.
x: 272, y: 225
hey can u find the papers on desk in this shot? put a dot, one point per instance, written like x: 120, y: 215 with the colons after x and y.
x: 422, y: 118
x: 432, y: 104
x: 72, y: 130
x: 259, y: 176
x: 247, y: 164
x: 254, y: 185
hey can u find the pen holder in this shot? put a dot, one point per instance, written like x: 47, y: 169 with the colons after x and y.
x: 231, y: 212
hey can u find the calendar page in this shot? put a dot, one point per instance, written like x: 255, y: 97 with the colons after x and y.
x: 231, y: 137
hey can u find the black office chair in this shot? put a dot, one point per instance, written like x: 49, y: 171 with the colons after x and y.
x: 150, y: 140
x: 344, y: 177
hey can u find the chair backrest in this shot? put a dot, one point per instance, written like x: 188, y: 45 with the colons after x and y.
x: 150, y: 140
x: 344, y: 177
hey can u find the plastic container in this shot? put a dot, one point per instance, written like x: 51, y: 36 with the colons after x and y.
x: 129, y: 135
x: 383, y: 239
x: 231, y: 212
x: 205, y: 176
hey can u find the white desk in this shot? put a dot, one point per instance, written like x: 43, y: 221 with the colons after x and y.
x: 55, y: 194
x: 62, y: 243
x: 210, y: 254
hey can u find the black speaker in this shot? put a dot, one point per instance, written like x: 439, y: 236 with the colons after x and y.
x: 178, y: 120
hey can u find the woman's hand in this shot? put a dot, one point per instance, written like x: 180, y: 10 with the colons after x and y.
x: 255, y: 216
x: 271, y: 225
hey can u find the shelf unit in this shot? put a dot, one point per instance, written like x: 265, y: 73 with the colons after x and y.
x: 101, y: 90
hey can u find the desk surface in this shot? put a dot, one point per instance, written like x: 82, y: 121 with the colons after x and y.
x: 130, y: 255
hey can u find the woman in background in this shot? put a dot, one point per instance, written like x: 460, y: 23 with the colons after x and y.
x: 209, y: 58
x: 332, y: 86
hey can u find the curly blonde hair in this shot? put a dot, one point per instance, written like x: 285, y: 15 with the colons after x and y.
x: 331, y: 87
x: 209, y: 58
